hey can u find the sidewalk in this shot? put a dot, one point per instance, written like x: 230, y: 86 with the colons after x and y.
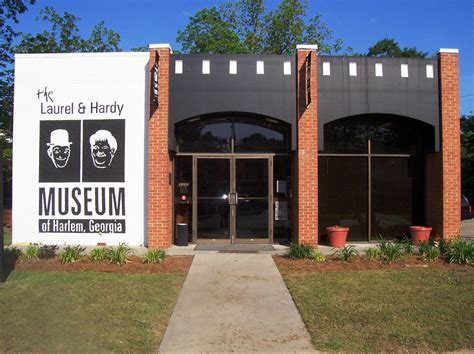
x: 235, y: 302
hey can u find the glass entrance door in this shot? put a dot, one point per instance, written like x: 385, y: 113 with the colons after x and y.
x: 212, y: 199
x: 252, y: 195
x: 233, y: 199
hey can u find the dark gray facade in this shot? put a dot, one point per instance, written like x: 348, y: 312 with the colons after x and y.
x: 271, y: 94
x: 342, y: 95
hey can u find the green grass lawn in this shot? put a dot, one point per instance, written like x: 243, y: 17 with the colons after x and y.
x: 85, y: 311
x: 416, y: 309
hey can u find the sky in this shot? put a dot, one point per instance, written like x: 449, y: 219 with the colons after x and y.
x: 425, y: 24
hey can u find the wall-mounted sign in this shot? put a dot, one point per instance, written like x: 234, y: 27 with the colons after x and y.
x: 79, y: 143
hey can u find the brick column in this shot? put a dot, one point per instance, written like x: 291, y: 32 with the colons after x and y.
x: 307, y: 192
x: 450, y: 141
x: 159, y: 162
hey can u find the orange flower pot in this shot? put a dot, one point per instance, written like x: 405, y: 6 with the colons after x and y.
x: 420, y: 234
x: 337, y: 236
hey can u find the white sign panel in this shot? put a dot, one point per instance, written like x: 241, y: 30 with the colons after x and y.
x: 79, y: 148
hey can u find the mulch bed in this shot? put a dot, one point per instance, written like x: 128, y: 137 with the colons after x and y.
x: 333, y: 264
x: 171, y: 264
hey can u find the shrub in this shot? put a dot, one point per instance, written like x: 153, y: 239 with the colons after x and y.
x: 317, y: 256
x: 154, y: 255
x: 460, y: 251
x: 373, y: 253
x: 119, y: 254
x: 100, y: 254
x: 11, y: 254
x: 32, y: 252
x: 299, y: 251
x: 390, y: 251
x: 48, y: 251
x: 346, y: 253
x: 71, y: 254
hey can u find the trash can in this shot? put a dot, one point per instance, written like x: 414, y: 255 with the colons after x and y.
x: 182, y: 234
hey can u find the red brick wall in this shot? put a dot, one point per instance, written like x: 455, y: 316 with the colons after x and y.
x: 450, y: 143
x: 159, y: 162
x: 307, y: 193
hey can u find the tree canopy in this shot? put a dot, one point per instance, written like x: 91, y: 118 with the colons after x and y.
x: 389, y: 47
x: 244, y: 26
x: 64, y: 37
x: 467, y: 154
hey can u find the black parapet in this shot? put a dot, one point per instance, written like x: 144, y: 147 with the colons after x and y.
x: 271, y: 93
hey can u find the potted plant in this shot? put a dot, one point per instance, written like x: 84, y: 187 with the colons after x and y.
x: 337, y: 235
x: 420, y: 234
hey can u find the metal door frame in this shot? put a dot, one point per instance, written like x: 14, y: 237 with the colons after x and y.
x: 232, y: 214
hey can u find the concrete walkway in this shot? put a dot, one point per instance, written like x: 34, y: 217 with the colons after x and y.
x: 235, y: 302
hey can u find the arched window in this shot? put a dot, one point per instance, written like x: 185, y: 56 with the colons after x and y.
x: 388, y: 134
x: 231, y: 133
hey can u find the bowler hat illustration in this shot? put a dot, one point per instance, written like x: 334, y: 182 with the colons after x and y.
x: 59, y: 137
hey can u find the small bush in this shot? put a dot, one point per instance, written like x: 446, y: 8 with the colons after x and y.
x: 373, y: 253
x: 119, y: 254
x: 299, y: 251
x: 460, y: 251
x: 346, y: 253
x: 99, y: 254
x: 48, y: 251
x: 154, y: 255
x: 317, y: 256
x: 390, y: 251
x: 11, y: 254
x: 71, y: 254
x: 32, y: 252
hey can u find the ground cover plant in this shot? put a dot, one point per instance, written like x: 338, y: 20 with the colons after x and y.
x: 71, y: 254
x: 395, y: 310
x: 346, y: 253
x: 429, y: 250
x: 460, y: 251
x: 99, y: 254
x: 119, y: 254
x: 299, y: 251
x: 318, y: 256
x: 154, y: 255
x: 390, y: 251
x: 373, y: 253
x: 46, y: 312
x: 32, y: 252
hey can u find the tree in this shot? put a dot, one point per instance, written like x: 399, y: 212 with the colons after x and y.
x: 64, y: 37
x: 467, y: 153
x: 209, y: 31
x: 388, y: 47
x: 245, y: 27
x: 9, y: 12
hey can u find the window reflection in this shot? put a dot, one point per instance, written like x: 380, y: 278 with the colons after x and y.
x: 200, y: 137
x: 251, y: 138
x: 389, y: 134
x: 233, y: 134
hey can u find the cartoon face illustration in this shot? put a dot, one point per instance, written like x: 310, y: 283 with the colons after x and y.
x: 59, y: 149
x: 103, y: 147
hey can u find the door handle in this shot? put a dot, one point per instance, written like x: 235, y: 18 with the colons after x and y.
x: 233, y: 199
